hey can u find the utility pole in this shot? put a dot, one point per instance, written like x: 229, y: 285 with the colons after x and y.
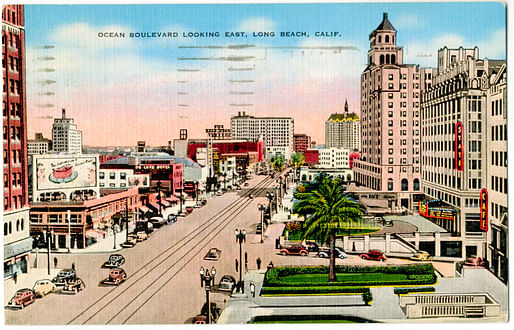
x: 68, y: 217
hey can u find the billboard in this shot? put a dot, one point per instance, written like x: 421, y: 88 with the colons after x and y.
x: 435, y: 212
x: 138, y: 180
x: 459, y: 147
x: 63, y: 173
x: 483, y: 210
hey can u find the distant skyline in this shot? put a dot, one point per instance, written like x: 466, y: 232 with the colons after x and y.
x: 121, y: 90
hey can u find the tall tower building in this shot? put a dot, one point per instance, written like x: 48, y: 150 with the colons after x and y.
x: 459, y: 135
x: 343, y: 130
x: 65, y: 136
x: 15, y: 218
x: 390, y: 120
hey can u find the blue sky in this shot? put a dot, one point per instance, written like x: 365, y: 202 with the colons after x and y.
x: 89, y: 70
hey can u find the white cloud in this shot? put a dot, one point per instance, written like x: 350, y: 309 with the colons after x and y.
x: 256, y: 24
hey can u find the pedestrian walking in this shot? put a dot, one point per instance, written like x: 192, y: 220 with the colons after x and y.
x: 258, y: 263
x: 270, y: 265
x: 237, y: 265
x: 277, y: 243
x: 15, y: 277
x: 55, y: 262
x: 252, y: 289
x: 73, y: 266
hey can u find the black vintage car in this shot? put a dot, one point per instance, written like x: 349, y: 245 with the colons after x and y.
x: 64, y: 276
x: 115, y: 261
x: 215, y: 311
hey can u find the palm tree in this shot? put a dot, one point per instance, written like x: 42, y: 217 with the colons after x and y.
x: 326, y: 209
x: 278, y: 163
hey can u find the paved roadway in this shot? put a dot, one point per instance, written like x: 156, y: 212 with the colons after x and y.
x: 164, y: 282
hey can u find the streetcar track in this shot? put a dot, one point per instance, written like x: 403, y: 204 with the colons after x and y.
x: 194, y: 233
x: 225, y: 223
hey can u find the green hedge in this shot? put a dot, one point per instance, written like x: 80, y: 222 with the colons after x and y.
x: 409, y: 290
x: 313, y: 290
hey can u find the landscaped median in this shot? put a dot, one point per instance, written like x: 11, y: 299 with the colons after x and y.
x: 350, y: 279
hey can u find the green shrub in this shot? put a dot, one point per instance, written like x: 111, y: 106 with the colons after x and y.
x: 313, y: 290
x: 408, y: 290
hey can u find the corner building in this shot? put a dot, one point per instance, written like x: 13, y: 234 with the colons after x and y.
x: 15, y: 217
x: 458, y: 97
x: 390, y: 120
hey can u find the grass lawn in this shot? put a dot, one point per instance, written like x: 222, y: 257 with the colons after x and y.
x: 343, y: 277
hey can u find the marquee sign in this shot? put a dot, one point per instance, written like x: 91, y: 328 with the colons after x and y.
x: 483, y: 210
x: 435, y: 212
x: 459, y: 147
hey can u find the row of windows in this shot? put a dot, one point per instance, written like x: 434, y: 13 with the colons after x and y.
x: 8, y: 227
x: 15, y: 133
x: 447, y: 180
x: 17, y: 202
x: 14, y: 64
x: 16, y: 180
x: 112, y: 175
x: 497, y: 107
x: 113, y: 185
x: 499, y: 184
x: 15, y: 110
x: 14, y: 87
x: 499, y: 158
x: 499, y: 132
x: 497, y: 210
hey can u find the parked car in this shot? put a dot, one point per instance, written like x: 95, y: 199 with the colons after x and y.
x: 130, y: 243
x: 213, y: 254
x: 215, y: 311
x: 476, y: 262
x: 22, y: 298
x: 294, y: 250
x: 133, y: 236
x: 43, y: 287
x: 189, y: 209
x: 238, y: 188
x: 145, y: 226
x: 251, y: 196
x: 219, y: 193
x: 198, y: 205
x: 374, y: 255
x: 116, y: 276
x: 182, y: 214
x: 74, y: 286
x: 325, y: 253
x: 246, y: 184
x: 115, y: 261
x: 204, y: 201
x: 227, y: 283
x: 421, y: 256
x: 157, y: 221
x: 311, y: 246
x: 141, y: 236
x: 200, y: 319
x: 63, y: 276
x: 172, y: 218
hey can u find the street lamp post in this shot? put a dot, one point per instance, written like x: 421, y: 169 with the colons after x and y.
x: 262, y: 208
x: 241, y: 238
x: 126, y: 219
x: 207, y: 280
x: 159, y: 196
x: 269, y: 195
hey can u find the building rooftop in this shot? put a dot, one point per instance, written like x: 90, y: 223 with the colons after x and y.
x: 153, y: 156
x: 385, y: 25
x: 343, y: 117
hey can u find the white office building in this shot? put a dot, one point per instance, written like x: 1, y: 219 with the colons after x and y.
x: 334, y: 158
x: 343, y: 130
x: 275, y: 131
x: 65, y: 135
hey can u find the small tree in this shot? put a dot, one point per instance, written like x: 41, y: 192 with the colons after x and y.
x: 367, y: 297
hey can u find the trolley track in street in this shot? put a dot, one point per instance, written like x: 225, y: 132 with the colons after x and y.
x: 236, y: 206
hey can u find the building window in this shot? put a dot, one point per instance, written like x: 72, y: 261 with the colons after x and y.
x: 112, y: 175
x: 123, y: 175
x: 390, y: 184
x: 390, y: 169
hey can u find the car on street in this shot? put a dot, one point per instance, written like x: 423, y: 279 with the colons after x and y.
x: 251, y: 196
x: 157, y: 221
x: 213, y: 254
x: 374, y: 255
x: 325, y: 253
x: 219, y: 193
x: 311, y: 246
x: 22, y: 298
x: 204, y: 201
x: 238, y: 188
x: 141, y: 236
x: 116, y: 276
x: 215, y: 311
x: 198, y: 205
x: 133, y: 236
x: 475, y: 262
x: 227, y: 283
x: 189, y: 209
x: 246, y: 184
x: 63, y: 276
x: 114, y: 261
x: 182, y: 214
x: 200, y: 319
x: 172, y: 218
x: 294, y: 250
x: 73, y: 286
x: 421, y: 256
x: 130, y: 243
x: 43, y: 287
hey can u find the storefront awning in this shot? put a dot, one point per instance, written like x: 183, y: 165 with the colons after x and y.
x: 95, y: 233
x: 144, y: 209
